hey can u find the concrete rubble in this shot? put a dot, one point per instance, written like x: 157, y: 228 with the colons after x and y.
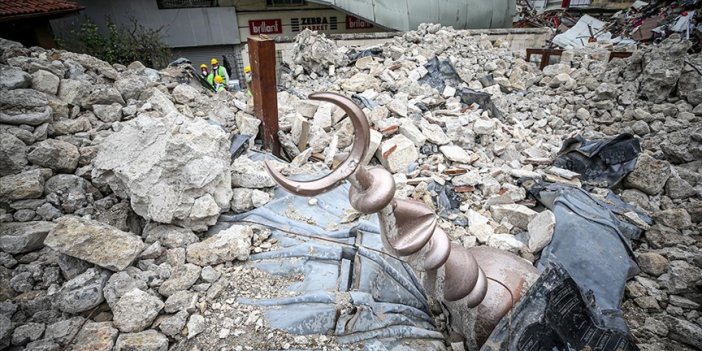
x: 110, y: 177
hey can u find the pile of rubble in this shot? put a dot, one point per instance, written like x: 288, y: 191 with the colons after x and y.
x: 467, y: 157
x: 111, y: 176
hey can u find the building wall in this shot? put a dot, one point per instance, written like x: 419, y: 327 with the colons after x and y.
x: 185, y: 27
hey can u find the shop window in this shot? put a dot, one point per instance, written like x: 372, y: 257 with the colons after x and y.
x: 180, y: 4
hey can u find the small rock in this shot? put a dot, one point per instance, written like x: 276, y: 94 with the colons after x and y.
x: 82, y: 292
x: 517, y: 215
x: 397, y: 153
x: 123, y: 282
x: 541, y: 230
x: 433, y: 132
x: 170, y: 236
x: 62, y: 331
x: 181, y: 301
x: 677, y: 218
x: 677, y: 188
x: 71, y: 266
x: 652, y: 263
x: 25, y: 333
x: 250, y: 174
x: 26, y: 185
x: 108, y: 113
x: 685, y: 331
x: 23, y: 237
x: 149, y: 340
x: 135, y: 311
x: 505, y: 242
x: 455, y: 153
x: 46, y: 82
x: 410, y: 130
x: 92, y: 241
x: 95, y: 337
x: 209, y: 274
x: 172, y: 325
x: 481, y: 231
x: 182, y: 278
x: 655, y: 326
x: 683, y: 302
x: 649, y: 176
x: 227, y: 245
x: 58, y: 155
x: 640, y: 128
x: 13, y: 154
x: 196, y: 325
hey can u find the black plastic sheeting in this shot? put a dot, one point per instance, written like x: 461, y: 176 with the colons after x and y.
x: 440, y: 73
x: 556, y: 315
x: 483, y: 99
x: 575, y: 303
x: 603, y: 161
x: 354, y: 54
x: 350, y: 289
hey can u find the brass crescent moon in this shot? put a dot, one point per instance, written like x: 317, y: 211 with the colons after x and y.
x: 361, y: 140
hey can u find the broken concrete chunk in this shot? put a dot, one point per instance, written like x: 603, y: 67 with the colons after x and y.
x: 227, y: 245
x: 96, y: 337
x: 148, y: 340
x: 410, y: 130
x: 649, y: 176
x: 517, y: 215
x: 135, y: 311
x: 541, y: 230
x: 250, y: 174
x: 172, y: 169
x: 397, y: 153
x: 182, y: 278
x: 95, y: 242
x: 25, y: 185
x: 455, y: 153
x: 170, y: 236
x: 433, y: 133
x: 23, y: 237
x: 83, y: 292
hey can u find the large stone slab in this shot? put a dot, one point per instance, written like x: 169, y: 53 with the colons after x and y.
x: 173, y: 169
x: 95, y: 242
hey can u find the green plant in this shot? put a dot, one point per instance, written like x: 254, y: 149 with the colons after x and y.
x: 119, y: 43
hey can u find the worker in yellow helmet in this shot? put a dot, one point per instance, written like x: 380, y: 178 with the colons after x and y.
x: 247, y: 74
x: 205, y: 73
x: 218, y: 70
x: 219, y: 83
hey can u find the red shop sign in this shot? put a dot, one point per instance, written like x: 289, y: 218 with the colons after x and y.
x: 353, y: 22
x: 266, y: 26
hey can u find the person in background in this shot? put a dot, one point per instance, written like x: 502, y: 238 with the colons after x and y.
x: 218, y: 70
x: 247, y: 74
x: 219, y: 84
x: 205, y: 73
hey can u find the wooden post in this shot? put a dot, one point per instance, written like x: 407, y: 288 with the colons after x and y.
x: 264, y: 91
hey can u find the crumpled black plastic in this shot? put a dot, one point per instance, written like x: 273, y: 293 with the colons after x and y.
x: 354, y: 54
x: 441, y: 72
x: 555, y: 315
x: 602, y: 161
x: 575, y: 303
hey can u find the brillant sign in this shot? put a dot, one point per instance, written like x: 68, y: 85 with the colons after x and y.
x: 266, y: 26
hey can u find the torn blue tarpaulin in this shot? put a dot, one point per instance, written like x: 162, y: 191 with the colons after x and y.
x: 350, y: 287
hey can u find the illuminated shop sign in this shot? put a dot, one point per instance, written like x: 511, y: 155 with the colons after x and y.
x: 266, y: 26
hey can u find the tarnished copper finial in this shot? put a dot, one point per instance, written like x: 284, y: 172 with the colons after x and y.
x: 449, y: 272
